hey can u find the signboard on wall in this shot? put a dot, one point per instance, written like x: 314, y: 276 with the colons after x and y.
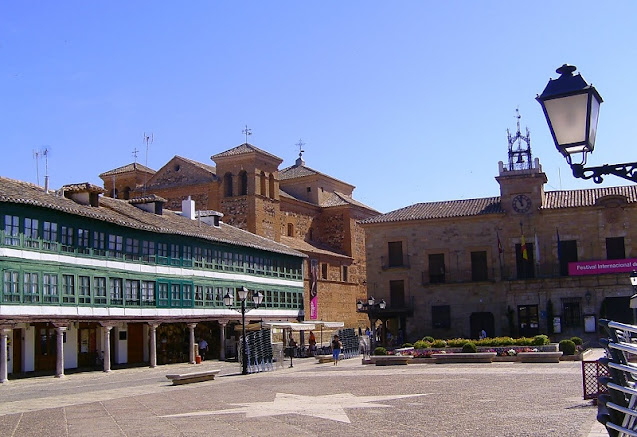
x: 314, y: 289
x: 601, y: 267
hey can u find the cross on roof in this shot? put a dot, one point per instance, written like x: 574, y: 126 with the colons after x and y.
x: 247, y: 131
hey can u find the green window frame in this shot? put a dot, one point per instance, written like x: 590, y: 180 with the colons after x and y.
x: 66, y: 238
x: 50, y: 292
x: 99, y: 287
x: 83, y: 240
x: 11, y: 287
x: 31, y: 287
x: 68, y: 289
x: 84, y: 289
x: 99, y: 243
x: 31, y: 232
x: 163, y: 294
x: 11, y: 230
x: 199, y: 289
x: 50, y: 235
x: 148, y: 293
x: 115, y: 291
x: 175, y: 295
x: 132, y: 292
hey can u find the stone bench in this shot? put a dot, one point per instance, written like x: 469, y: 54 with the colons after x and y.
x: 187, y: 378
x: 539, y: 357
x: 464, y: 357
x: 390, y: 360
x: 324, y: 358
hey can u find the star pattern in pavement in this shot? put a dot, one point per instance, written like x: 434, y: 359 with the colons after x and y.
x: 330, y: 407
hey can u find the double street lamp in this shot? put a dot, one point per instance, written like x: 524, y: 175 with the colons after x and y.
x: 257, y: 299
x: 571, y: 107
x: 370, y: 308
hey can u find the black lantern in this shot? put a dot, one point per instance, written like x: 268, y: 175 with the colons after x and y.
x: 571, y: 107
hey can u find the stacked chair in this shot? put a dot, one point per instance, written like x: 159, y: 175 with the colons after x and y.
x: 617, y: 409
x: 259, y: 351
x: 351, y: 343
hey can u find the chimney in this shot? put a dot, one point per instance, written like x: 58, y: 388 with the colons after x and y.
x: 211, y: 218
x: 188, y: 208
x: 84, y: 193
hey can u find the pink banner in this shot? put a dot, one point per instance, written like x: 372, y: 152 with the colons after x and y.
x: 314, y: 289
x: 601, y: 267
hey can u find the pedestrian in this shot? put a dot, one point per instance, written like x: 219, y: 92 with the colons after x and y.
x: 483, y: 334
x: 203, y: 348
x: 336, y: 349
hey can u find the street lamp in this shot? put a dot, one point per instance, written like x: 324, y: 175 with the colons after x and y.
x: 257, y: 299
x: 571, y: 107
x: 370, y: 307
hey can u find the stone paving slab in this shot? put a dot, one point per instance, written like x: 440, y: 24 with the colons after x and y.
x: 496, y: 399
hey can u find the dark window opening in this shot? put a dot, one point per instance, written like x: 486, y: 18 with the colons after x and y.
x: 324, y: 271
x: 479, y: 269
x: 571, y: 312
x: 395, y: 251
x: 243, y: 183
x: 437, y: 268
x: 397, y: 293
x: 441, y: 316
x: 615, y: 248
x: 567, y: 253
x: 524, y: 261
x: 227, y: 183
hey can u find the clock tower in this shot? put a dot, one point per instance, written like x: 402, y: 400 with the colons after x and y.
x: 521, y: 180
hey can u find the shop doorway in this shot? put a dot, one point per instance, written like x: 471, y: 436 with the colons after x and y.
x: 17, y: 350
x: 45, y: 347
x: 135, y: 343
x: 482, y: 321
x: 528, y: 320
x: 87, y: 345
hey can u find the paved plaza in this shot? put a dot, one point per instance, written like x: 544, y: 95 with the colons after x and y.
x: 310, y: 399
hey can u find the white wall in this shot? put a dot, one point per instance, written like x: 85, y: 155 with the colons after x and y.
x: 28, y: 349
x: 70, y: 348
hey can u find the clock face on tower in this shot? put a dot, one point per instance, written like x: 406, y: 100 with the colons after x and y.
x: 521, y: 203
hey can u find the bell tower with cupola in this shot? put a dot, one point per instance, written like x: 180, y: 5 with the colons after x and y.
x: 522, y: 179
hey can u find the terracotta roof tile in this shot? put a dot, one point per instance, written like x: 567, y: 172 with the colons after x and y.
x: 243, y: 149
x: 122, y: 213
x: 305, y: 246
x: 588, y: 197
x: 439, y: 210
x: 127, y: 168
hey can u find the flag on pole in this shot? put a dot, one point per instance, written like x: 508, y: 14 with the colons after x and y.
x: 537, y: 250
x: 525, y: 254
x: 559, y: 248
x: 500, y: 250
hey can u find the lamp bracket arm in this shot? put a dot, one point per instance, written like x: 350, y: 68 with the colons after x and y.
x: 626, y: 171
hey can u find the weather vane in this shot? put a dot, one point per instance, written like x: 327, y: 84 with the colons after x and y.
x: 247, y: 131
x: 300, y: 144
x: 135, y: 152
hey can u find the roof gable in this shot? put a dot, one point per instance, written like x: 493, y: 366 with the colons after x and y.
x: 244, y: 149
x: 129, y: 168
x: 182, y: 171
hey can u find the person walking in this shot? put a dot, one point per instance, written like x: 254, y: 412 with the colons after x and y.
x: 336, y: 349
x: 203, y: 348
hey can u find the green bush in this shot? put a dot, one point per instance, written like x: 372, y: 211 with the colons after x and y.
x: 578, y: 341
x: 380, y: 351
x: 439, y: 343
x: 428, y: 339
x: 541, y: 340
x: 456, y: 342
x: 407, y: 345
x: 422, y: 344
x: 524, y: 341
x: 469, y: 347
x: 567, y: 347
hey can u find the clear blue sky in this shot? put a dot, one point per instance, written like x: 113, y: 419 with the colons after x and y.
x: 409, y: 101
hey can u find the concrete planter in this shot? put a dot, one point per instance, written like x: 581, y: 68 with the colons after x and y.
x: 539, y: 357
x: 461, y: 357
x: 390, y: 360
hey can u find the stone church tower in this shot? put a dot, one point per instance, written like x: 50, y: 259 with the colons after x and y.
x: 248, y: 194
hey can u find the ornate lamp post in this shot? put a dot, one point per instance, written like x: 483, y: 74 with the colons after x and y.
x: 257, y: 299
x: 571, y: 107
x: 371, y: 307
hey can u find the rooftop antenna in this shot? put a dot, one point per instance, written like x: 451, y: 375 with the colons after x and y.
x: 36, y: 156
x: 247, y: 132
x: 148, y: 139
x: 45, y: 153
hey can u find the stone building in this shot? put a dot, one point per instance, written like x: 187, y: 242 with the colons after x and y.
x: 526, y: 262
x: 298, y: 206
